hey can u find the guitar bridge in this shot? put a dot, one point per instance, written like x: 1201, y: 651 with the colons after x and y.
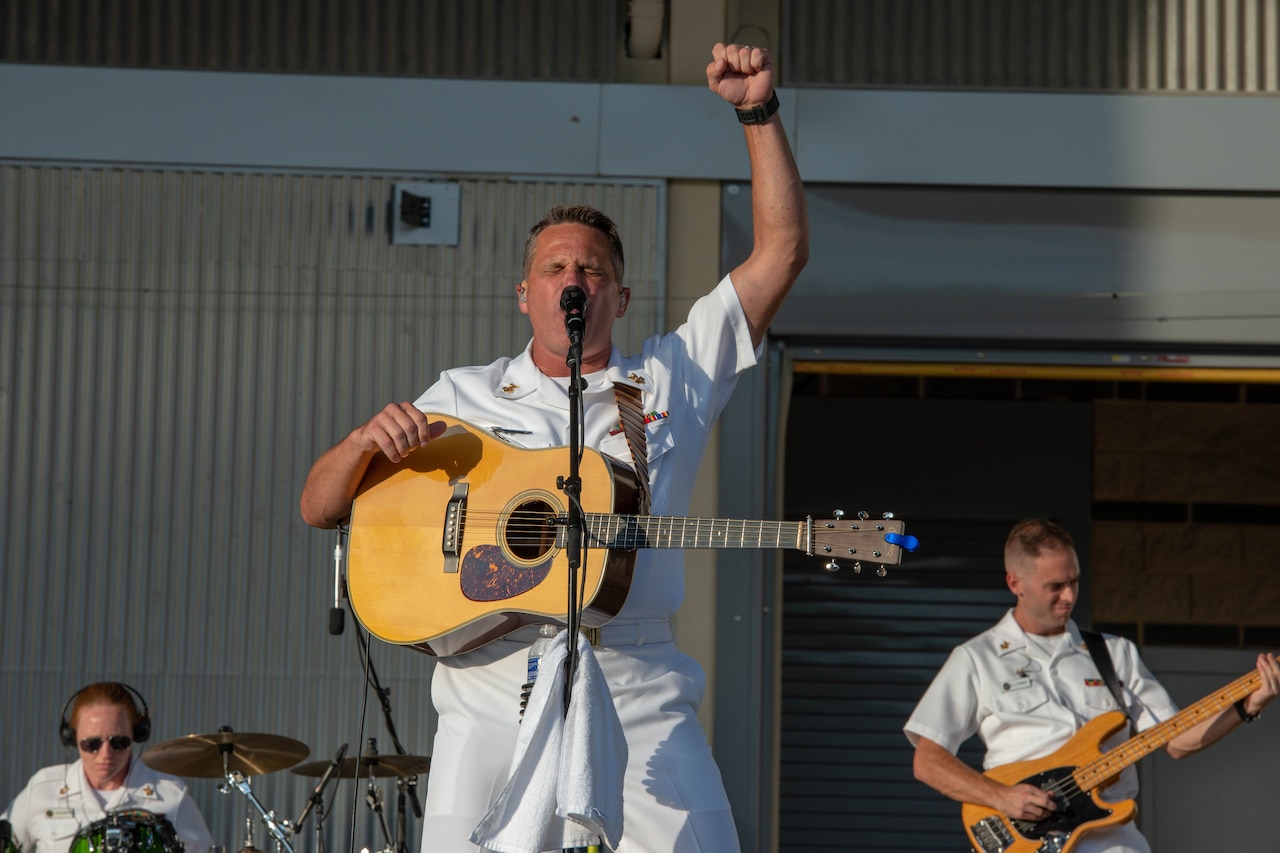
x: 991, y: 835
x: 455, y: 515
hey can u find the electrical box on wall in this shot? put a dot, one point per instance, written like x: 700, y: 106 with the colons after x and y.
x: 424, y: 214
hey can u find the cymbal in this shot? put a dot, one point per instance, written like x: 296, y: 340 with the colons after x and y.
x: 248, y: 753
x: 370, y: 765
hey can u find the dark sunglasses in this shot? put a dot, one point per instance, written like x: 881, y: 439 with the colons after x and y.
x: 119, y: 743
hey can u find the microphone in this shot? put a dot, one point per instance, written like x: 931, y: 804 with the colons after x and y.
x: 573, y: 301
x: 336, y: 614
x: 318, y: 794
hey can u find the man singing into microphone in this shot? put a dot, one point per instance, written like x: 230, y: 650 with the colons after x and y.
x: 673, y: 798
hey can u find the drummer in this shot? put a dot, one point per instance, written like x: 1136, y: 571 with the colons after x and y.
x: 102, y: 721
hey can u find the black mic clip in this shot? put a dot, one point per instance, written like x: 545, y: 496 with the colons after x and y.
x: 317, y: 796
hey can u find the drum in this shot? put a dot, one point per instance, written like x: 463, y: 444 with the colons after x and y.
x: 135, y: 831
x: 7, y: 844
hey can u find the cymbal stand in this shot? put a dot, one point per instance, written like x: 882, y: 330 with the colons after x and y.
x: 278, y: 828
x: 319, y: 827
x: 374, y: 800
x: 402, y: 786
x: 248, y: 829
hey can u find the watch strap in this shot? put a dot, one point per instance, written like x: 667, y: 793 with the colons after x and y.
x: 759, y: 114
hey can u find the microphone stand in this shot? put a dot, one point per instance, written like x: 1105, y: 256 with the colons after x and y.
x: 575, y: 325
x: 316, y: 800
x: 575, y: 523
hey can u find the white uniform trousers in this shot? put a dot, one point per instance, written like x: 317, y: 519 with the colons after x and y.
x: 674, y: 800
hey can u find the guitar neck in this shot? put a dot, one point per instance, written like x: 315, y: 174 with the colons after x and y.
x: 654, y: 531
x: 1109, y: 764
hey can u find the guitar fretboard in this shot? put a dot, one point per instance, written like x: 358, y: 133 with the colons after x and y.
x: 654, y: 531
x: 1109, y: 764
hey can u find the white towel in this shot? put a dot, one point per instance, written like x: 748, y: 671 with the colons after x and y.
x: 565, y: 788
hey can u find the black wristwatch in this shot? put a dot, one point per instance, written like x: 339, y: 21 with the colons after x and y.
x: 1245, y: 715
x: 760, y: 114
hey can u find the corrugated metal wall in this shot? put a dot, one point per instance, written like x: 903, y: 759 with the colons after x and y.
x: 504, y: 39
x: 1223, y: 46
x: 175, y: 349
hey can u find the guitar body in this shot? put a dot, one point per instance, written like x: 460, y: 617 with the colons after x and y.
x: 451, y: 548
x: 1079, y: 811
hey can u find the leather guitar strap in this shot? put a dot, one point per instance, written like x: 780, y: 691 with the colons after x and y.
x: 1102, y: 660
x: 631, y: 415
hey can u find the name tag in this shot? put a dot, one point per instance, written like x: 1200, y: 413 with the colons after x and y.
x: 59, y: 813
x: 1020, y: 684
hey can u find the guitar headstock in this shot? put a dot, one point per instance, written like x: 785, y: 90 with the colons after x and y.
x: 878, y: 542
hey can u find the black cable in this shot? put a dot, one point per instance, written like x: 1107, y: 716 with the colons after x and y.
x: 364, y: 710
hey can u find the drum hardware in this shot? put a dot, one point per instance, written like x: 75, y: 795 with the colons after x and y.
x: 233, y: 756
x: 248, y: 828
x: 373, y: 765
x: 280, y: 829
x: 316, y: 800
x: 373, y: 799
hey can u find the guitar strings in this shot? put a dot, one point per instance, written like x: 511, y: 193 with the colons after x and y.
x: 526, y: 527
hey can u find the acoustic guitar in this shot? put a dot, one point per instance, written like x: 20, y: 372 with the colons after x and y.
x: 1077, y: 772
x: 463, y: 541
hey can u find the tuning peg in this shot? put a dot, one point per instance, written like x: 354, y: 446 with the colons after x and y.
x: 886, y: 515
x: 857, y: 567
x: 837, y: 514
x: 863, y: 514
x: 880, y: 572
x: 831, y: 566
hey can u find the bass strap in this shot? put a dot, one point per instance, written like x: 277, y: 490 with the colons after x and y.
x: 1102, y: 660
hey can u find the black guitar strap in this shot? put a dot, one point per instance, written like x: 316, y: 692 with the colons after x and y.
x: 1102, y: 660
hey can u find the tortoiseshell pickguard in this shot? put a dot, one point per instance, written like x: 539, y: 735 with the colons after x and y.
x: 487, y: 575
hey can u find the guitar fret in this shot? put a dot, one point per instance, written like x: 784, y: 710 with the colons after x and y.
x: 661, y: 531
x: 1093, y: 774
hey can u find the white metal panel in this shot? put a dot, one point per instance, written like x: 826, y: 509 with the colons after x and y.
x: 997, y: 266
x: 250, y: 121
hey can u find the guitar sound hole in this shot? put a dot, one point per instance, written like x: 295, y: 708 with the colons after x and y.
x: 529, y: 536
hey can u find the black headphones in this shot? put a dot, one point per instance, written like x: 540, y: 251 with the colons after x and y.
x: 141, y: 729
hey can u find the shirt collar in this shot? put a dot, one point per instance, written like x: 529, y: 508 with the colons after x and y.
x: 522, y: 378
x: 1008, y: 635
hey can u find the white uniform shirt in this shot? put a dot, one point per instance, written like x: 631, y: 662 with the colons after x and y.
x: 686, y: 378
x: 1025, y: 696
x: 58, y: 803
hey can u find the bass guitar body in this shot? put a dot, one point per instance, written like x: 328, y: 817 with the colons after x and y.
x: 1079, y: 811
x: 463, y: 541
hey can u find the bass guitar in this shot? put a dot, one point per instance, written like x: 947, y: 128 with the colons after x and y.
x: 463, y: 541
x: 1075, y: 775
